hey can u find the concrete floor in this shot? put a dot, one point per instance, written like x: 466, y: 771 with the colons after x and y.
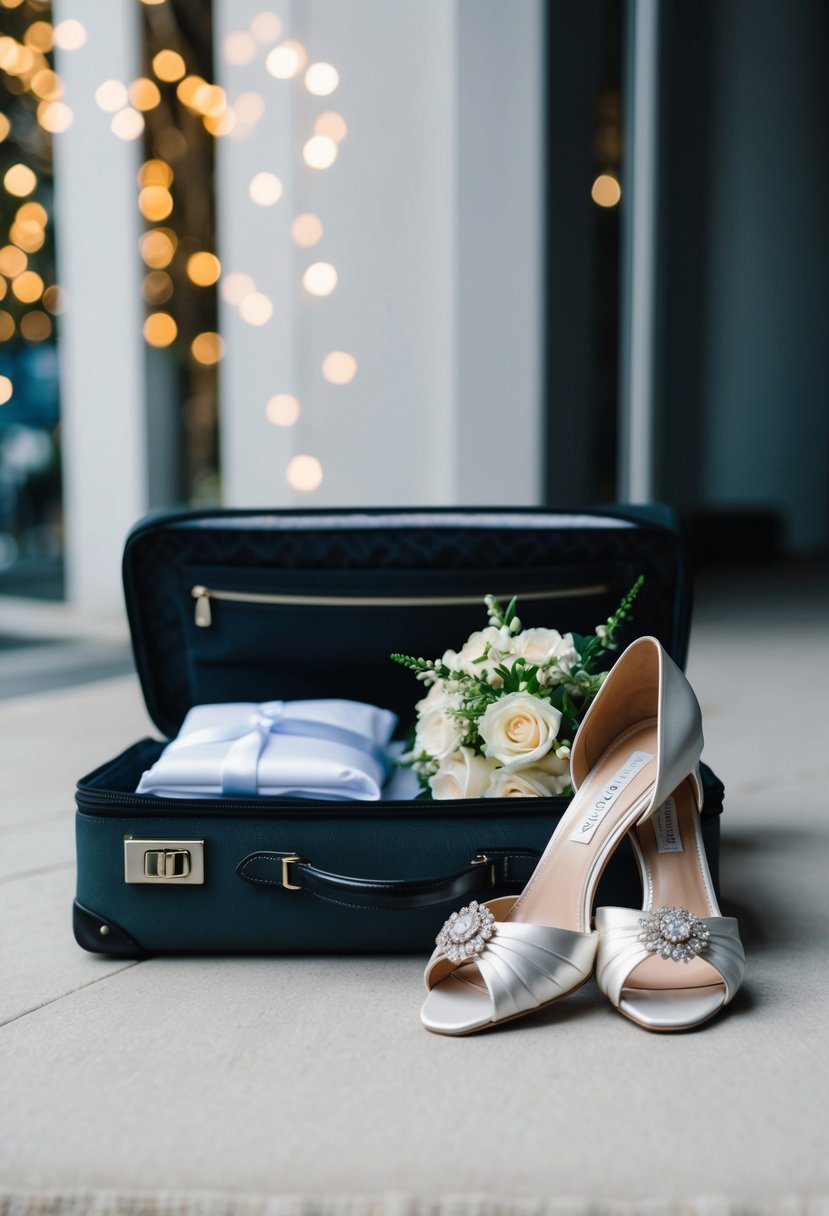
x: 268, y: 1086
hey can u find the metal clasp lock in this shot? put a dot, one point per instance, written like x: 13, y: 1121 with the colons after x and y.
x: 166, y: 863
x: 172, y: 862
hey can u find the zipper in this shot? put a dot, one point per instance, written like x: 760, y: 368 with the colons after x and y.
x: 110, y: 800
x: 204, y: 615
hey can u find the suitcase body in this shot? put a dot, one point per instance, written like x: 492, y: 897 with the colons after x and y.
x: 256, y: 606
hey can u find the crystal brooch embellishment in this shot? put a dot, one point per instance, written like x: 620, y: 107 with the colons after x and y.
x: 466, y: 932
x: 674, y: 933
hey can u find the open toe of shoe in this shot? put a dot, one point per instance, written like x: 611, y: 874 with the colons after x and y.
x: 671, y: 1008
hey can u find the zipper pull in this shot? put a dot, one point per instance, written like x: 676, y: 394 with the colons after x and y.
x: 204, y: 617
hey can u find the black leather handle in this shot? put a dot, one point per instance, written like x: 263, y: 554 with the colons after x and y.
x: 492, y: 870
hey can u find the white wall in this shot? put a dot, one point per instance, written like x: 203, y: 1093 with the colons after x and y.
x: 432, y: 216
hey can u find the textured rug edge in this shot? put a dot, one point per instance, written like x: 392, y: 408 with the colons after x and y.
x: 101, y: 1202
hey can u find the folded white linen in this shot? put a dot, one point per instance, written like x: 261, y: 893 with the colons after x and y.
x: 326, y: 749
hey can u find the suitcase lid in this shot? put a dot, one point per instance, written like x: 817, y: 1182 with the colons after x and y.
x: 254, y: 605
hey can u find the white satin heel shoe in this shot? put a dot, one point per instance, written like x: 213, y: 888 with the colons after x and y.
x: 641, y: 737
x: 677, y: 961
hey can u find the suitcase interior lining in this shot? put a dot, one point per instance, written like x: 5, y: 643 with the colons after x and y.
x: 261, y: 651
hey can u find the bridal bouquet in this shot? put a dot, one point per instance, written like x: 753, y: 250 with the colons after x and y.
x: 501, y: 713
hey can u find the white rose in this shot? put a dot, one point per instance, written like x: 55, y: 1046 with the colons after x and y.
x: 498, y: 640
x: 463, y: 774
x: 506, y: 783
x: 436, y: 733
x: 565, y: 653
x: 438, y: 698
x: 536, y: 645
x: 519, y: 729
x: 540, y: 646
x: 550, y: 777
x: 553, y: 772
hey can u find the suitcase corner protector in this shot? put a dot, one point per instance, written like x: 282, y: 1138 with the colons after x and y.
x: 100, y: 935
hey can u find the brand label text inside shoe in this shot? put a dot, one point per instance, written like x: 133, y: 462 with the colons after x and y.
x: 614, y: 787
x: 666, y: 829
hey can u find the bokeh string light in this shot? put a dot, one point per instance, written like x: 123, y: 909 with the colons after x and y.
x: 265, y: 189
x: 319, y: 152
x: 207, y: 348
x: 111, y: 95
x: 169, y: 66
x: 156, y: 287
x: 69, y: 35
x: 321, y: 79
x: 304, y: 473
x: 306, y: 229
x: 282, y: 410
x: 256, y: 308
x: 266, y: 28
x: 286, y: 60
x: 339, y: 367
x: 171, y: 106
x: 34, y: 114
x: 606, y: 191
x: 331, y: 124
x: 203, y: 269
x: 320, y: 279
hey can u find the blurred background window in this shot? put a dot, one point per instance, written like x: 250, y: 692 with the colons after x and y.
x: 30, y: 462
x: 721, y: 218
x: 430, y: 251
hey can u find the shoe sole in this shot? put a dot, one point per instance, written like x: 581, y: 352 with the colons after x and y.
x: 669, y: 1029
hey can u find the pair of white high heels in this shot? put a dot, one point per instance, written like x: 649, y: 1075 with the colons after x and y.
x: 670, y: 965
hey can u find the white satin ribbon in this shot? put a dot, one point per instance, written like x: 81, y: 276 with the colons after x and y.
x: 329, y: 749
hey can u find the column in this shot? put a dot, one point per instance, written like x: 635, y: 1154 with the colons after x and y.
x: 100, y: 341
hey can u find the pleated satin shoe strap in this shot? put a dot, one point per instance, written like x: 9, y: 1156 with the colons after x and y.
x: 620, y: 950
x: 524, y: 966
x: 725, y: 951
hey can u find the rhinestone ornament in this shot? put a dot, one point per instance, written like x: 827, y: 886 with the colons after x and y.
x: 674, y: 933
x: 466, y: 932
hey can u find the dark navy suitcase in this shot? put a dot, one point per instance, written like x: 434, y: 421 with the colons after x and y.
x: 266, y: 605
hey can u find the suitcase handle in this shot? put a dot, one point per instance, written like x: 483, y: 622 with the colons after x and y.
x: 491, y: 869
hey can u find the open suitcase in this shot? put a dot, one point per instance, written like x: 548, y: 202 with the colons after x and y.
x: 266, y: 605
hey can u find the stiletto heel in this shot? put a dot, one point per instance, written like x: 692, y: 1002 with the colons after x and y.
x: 493, y: 962
x: 679, y: 923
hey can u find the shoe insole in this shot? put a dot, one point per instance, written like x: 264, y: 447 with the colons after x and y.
x: 677, y: 875
x: 607, y: 804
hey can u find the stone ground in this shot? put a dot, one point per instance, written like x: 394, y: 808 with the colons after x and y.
x: 268, y: 1086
